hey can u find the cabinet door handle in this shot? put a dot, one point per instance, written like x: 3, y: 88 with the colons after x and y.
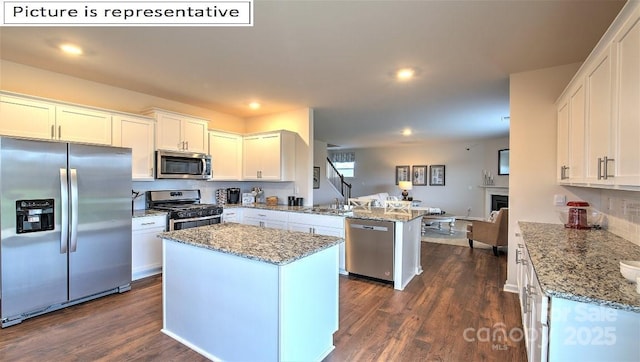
x: 147, y: 223
x: 518, y: 260
x: 187, y: 145
x: 59, y: 132
x: 600, y: 168
x: 525, y: 302
x: 53, y: 131
x: 563, y: 172
x: 606, y: 167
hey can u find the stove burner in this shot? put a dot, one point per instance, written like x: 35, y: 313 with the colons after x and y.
x: 181, y: 204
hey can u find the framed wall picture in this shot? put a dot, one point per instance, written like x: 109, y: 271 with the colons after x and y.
x: 503, y: 162
x: 436, y: 175
x: 316, y: 177
x: 402, y: 174
x: 419, y: 174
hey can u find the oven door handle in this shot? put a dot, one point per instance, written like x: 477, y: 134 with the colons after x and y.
x: 172, y: 222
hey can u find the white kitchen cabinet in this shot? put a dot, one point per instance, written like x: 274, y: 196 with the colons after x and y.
x: 34, y: 118
x: 226, y: 153
x: 265, y: 218
x: 563, y: 140
x: 146, y: 246
x: 76, y: 124
x: 136, y: 133
x: 558, y: 329
x: 599, y: 112
x: 599, y: 119
x: 21, y: 117
x: 180, y: 132
x: 321, y: 225
x: 533, y: 305
x: 232, y: 214
x: 269, y: 156
x: 576, y: 132
x: 571, y: 135
x: 627, y: 104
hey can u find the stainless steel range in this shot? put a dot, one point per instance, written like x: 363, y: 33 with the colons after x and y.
x: 184, y: 207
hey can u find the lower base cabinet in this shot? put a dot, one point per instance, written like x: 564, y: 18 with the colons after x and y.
x: 321, y: 225
x: 558, y: 329
x: 146, y: 246
x: 265, y: 218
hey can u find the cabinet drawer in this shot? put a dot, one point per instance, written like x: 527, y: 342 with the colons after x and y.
x: 265, y: 214
x: 149, y: 222
x: 318, y: 220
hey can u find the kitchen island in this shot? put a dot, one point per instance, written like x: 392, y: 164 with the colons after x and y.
x: 239, y: 292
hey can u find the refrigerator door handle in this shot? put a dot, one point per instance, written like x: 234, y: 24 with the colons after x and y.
x: 64, y: 207
x: 73, y: 239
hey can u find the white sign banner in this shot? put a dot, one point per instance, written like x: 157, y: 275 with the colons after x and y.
x: 128, y: 13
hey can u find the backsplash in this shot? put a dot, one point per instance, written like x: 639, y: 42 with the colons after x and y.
x: 623, y: 213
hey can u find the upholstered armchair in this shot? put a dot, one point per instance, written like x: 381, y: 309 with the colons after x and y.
x: 494, y: 233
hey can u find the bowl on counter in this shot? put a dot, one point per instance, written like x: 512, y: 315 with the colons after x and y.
x: 630, y: 269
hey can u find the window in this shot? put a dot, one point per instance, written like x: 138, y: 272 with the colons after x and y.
x: 345, y: 168
x: 345, y: 162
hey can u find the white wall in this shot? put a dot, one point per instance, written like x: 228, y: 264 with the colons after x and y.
x: 533, y: 147
x: 42, y: 83
x: 375, y: 172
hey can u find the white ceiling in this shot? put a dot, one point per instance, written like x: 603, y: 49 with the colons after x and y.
x: 338, y: 57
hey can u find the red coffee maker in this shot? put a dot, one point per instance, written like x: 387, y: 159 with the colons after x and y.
x: 577, y: 215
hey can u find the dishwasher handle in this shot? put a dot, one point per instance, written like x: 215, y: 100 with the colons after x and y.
x: 369, y: 227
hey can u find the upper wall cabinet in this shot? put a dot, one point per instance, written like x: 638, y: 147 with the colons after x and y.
x: 602, y: 147
x: 22, y: 117
x: 226, y: 153
x: 136, y: 133
x: 627, y: 104
x: 78, y: 124
x: 33, y: 118
x: 269, y: 156
x: 180, y: 132
x: 600, y: 118
x: 571, y: 131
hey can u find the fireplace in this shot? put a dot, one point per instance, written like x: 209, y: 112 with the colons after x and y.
x: 495, y: 197
x: 499, y: 201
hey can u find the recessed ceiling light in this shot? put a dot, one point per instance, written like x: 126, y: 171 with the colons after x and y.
x: 405, y: 74
x: 406, y: 132
x: 254, y: 105
x: 71, y: 49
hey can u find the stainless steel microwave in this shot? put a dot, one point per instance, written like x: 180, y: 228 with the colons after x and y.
x: 183, y: 165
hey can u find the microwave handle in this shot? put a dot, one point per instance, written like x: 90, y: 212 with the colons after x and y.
x: 204, y: 167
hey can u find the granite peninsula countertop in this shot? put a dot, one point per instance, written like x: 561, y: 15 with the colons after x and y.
x: 374, y: 213
x: 581, y: 265
x: 272, y: 246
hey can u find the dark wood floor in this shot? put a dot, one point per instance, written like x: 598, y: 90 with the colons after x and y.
x: 449, y: 313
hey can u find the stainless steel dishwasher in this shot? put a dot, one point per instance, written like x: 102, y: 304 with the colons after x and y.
x: 369, y: 248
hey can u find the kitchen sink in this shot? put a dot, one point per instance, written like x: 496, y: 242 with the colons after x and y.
x: 327, y: 210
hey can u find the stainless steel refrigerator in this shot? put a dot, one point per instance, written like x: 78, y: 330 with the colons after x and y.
x: 65, y: 225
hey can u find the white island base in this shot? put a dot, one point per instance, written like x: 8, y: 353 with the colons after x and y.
x: 232, y: 308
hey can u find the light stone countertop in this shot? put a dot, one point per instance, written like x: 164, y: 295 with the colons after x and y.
x: 582, y: 265
x: 375, y: 213
x: 272, y: 246
x: 148, y: 212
